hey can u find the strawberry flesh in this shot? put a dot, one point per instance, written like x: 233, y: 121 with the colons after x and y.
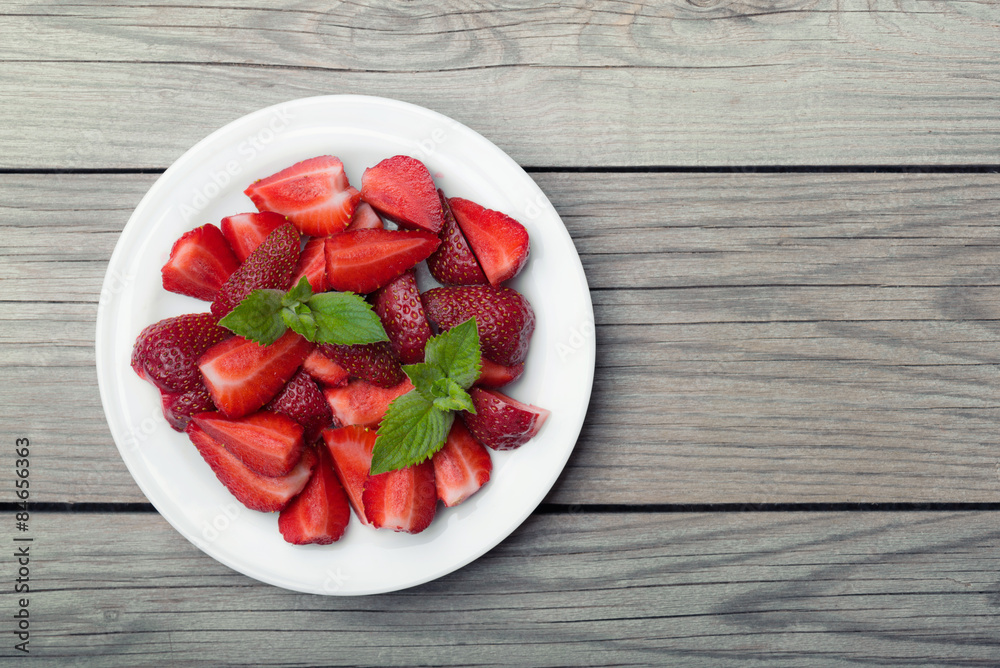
x: 270, y: 266
x: 302, y: 401
x: 504, y: 318
x: 362, y: 261
x: 461, y: 467
x: 320, y: 513
x: 493, y: 375
x: 374, y: 362
x: 324, y: 370
x: 351, y: 451
x: 401, y: 189
x: 365, y: 218
x: 246, y: 231
x: 268, y: 443
x: 166, y: 353
x: 453, y: 263
x: 312, y: 265
x: 500, y: 422
x: 361, y: 403
x: 180, y: 407
x: 402, y: 500
x: 200, y: 263
x: 499, y: 242
x: 398, y: 305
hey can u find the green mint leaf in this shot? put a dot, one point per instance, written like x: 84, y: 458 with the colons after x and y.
x: 299, y: 293
x: 300, y: 319
x: 456, y: 352
x: 449, y: 396
x: 412, y: 430
x: 257, y: 317
x: 345, y: 318
x: 423, y: 376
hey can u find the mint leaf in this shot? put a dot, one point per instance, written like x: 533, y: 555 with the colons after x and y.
x: 344, y: 318
x: 412, y: 430
x: 449, y: 396
x: 298, y: 293
x: 457, y: 353
x: 256, y: 317
x: 423, y: 376
x: 300, y: 319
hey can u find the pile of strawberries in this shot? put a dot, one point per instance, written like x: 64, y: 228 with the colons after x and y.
x: 290, y: 426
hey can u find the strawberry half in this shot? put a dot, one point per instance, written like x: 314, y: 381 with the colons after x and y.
x: 180, y: 407
x: 241, y: 376
x: 324, y: 370
x: 499, y: 242
x: 253, y: 490
x: 362, y: 261
x: 398, y: 305
x: 268, y: 443
x: 374, y: 362
x: 500, y: 422
x: 493, y: 375
x: 365, y: 218
x: 351, y: 451
x: 320, y: 512
x: 361, y: 403
x: 314, y: 194
x: 246, y: 231
x: 302, y: 401
x: 402, y: 500
x: 270, y: 266
x: 453, y: 263
x: 504, y: 318
x: 166, y: 353
x: 200, y: 263
x: 461, y: 466
x: 312, y: 265
x: 401, y: 189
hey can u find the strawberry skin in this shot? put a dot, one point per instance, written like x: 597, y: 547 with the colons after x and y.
x: 200, y: 263
x: 361, y: 403
x: 246, y: 231
x: 365, y: 218
x: 398, y: 305
x: 312, y: 265
x: 320, y: 513
x: 500, y: 422
x: 461, y: 467
x: 270, y: 266
x: 453, y: 263
x: 314, y: 194
x: 180, y: 407
x: 493, y: 375
x: 402, y: 500
x: 241, y: 376
x: 362, y: 261
x: 499, y: 242
x: 268, y: 443
x: 401, y: 189
x: 324, y: 370
x: 504, y: 318
x: 166, y: 353
x: 350, y: 449
x: 256, y: 492
x: 374, y: 362
x: 302, y: 401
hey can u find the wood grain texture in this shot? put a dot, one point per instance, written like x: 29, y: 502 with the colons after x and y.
x: 686, y: 82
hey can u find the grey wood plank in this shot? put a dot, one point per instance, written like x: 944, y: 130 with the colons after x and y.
x: 729, y: 589
x: 607, y: 83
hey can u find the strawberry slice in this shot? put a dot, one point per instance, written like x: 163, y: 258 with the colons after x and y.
x: 365, y: 218
x: 270, y: 266
x: 461, y: 466
x: 401, y: 189
x: 166, y: 353
x: 242, y: 375
x: 499, y: 242
x: 246, y: 231
x: 325, y: 370
x: 504, y: 318
x: 255, y: 491
x: 402, y: 500
x: 351, y: 451
x: 312, y: 265
x: 268, y: 443
x: 302, y: 401
x: 320, y: 513
x: 200, y: 263
x: 453, y: 263
x: 374, y: 362
x: 180, y: 407
x: 398, y: 305
x: 362, y: 261
x: 314, y: 194
x: 493, y: 375
x: 361, y: 403
x: 500, y: 422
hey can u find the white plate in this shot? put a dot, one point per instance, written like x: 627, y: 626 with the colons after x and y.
x: 205, y: 185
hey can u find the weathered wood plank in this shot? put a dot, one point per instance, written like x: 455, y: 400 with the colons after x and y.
x: 740, y: 589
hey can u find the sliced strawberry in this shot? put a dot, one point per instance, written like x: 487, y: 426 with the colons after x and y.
x: 499, y: 242
x: 398, y: 305
x: 314, y: 194
x: 325, y: 370
x: 302, y: 401
x: 362, y: 261
x: 268, y: 443
x: 453, y: 263
x: 361, y: 403
x: 365, y: 218
x: 493, y: 375
x: 504, y: 318
x: 166, y: 353
x: 351, y: 451
x: 246, y: 231
x: 500, y: 422
x: 255, y: 491
x: 401, y: 189
x: 461, y: 466
x: 200, y: 262
x: 242, y: 375
x: 179, y: 407
x: 270, y: 266
x: 374, y: 362
x: 320, y: 513
x: 402, y: 500
x: 312, y: 265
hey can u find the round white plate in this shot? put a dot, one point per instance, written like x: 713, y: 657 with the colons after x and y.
x: 205, y: 185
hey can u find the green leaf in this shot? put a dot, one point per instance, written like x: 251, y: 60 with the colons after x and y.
x: 457, y: 353
x: 345, y: 318
x: 449, y: 396
x: 299, y: 293
x: 256, y: 317
x: 412, y: 430
x: 300, y: 319
x: 423, y: 376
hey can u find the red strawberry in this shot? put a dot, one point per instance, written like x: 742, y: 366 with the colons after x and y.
x: 302, y: 401
x: 362, y: 403
x: 504, y: 318
x: 200, y: 262
x: 499, y: 242
x: 362, y: 261
x: 268, y: 443
x: 453, y: 263
x: 398, y: 305
x: 461, y: 466
x: 314, y: 194
x: 312, y: 265
x: 351, y: 451
x: 401, y: 189
x: 494, y: 375
x: 270, y: 266
x: 325, y: 370
x: 402, y: 500
x: 320, y: 513
x: 179, y: 407
x: 242, y: 375
x: 166, y: 353
x: 255, y: 491
x: 374, y: 362
x: 500, y: 422
x: 246, y: 231
x: 365, y: 218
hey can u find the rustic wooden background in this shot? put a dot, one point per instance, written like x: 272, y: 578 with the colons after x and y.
x: 788, y: 214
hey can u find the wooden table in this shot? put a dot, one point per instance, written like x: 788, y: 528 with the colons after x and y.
x: 788, y: 214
